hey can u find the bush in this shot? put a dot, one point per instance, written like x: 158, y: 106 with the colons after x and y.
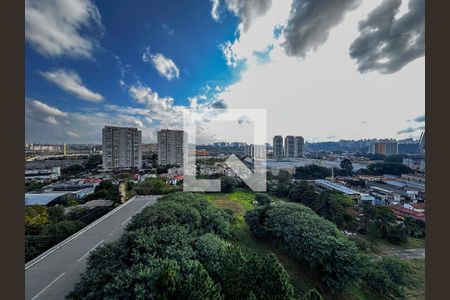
x: 153, y: 186
x: 304, y: 193
x: 388, y: 277
x: 49, y: 236
x: 263, y: 199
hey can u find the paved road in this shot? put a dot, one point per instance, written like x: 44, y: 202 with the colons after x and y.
x: 55, y: 273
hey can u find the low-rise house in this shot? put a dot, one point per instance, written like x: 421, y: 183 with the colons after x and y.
x: 418, y: 207
x: 402, y: 212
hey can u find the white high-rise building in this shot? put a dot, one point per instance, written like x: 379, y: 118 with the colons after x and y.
x: 121, y: 147
x: 289, y: 145
x: 170, y: 147
x: 299, y: 147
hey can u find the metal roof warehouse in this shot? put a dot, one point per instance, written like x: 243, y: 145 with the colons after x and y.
x: 337, y: 187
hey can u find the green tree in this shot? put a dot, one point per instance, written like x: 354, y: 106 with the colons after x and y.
x: 174, y: 250
x: 56, y: 214
x: 263, y: 199
x: 388, y: 277
x: 228, y: 184
x: 392, y: 168
x: 93, y: 162
x: 334, y: 206
x: 346, y: 166
x: 153, y: 186
x: 396, y: 234
x: 312, y: 172
x: 394, y: 158
x: 284, y: 177
x: 304, y: 193
x: 36, y: 216
x: 373, y: 233
x: 310, y: 240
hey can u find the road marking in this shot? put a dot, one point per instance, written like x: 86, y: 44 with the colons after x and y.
x: 113, y: 231
x: 126, y: 221
x: 74, y: 236
x: 49, y: 285
x: 92, y: 249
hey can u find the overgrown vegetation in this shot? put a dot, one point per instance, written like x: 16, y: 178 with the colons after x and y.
x: 105, y: 190
x: 318, y: 244
x: 153, y: 186
x: 310, y: 239
x: 177, y: 249
x: 45, y: 227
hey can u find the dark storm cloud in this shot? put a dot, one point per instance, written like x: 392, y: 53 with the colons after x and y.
x: 219, y: 104
x: 387, y: 44
x: 310, y: 22
x: 411, y: 129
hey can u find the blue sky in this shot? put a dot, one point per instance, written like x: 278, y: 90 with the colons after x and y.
x: 93, y: 63
x: 128, y: 31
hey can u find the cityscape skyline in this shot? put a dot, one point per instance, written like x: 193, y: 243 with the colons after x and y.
x: 154, y: 65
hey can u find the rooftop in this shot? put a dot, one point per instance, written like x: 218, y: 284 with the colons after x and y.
x: 336, y: 186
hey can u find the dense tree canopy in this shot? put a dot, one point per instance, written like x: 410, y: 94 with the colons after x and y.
x: 176, y: 249
x: 153, y: 186
x: 309, y: 239
x: 312, y: 172
x: 388, y: 277
x: 346, y: 167
x: 392, y: 168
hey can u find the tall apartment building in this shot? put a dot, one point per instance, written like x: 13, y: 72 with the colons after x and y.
x: 278, y: 147
x: 289, y: 145
x: 170, y: 147
x: 299, y: 146
x: 121, y: 147
x: 385, y: 147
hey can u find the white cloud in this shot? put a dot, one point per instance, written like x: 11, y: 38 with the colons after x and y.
x: 230, y: 56
x: 72, y: 134
x: 51, y: 120
x: 70, y: 81
x: 169, y: 30
x: 215, y: 9
x: 322, y: 93
x: 248, y: 10
x: 165, y: 66
x: 42, y: 108
x: 48, y: 124
x: 54, y: 28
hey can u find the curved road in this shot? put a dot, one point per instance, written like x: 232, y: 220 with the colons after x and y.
x: 53, y: 274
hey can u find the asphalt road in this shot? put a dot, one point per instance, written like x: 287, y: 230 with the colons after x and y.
x: 54, y: 274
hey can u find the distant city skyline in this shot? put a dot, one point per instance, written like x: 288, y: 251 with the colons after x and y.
x: 93, y: 65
